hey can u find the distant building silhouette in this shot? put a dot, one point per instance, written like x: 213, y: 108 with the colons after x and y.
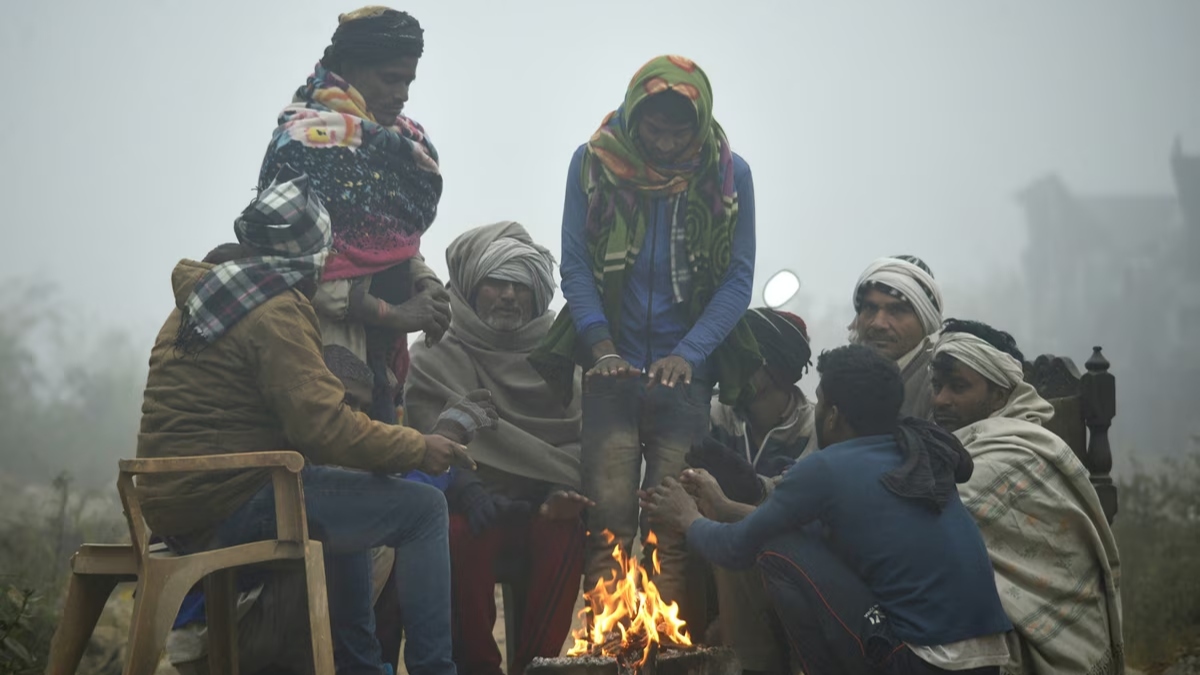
x: 1123, y: 271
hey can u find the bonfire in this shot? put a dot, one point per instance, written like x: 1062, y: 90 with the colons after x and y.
x: 626, y: 618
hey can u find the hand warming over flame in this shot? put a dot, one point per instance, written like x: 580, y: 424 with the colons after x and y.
x: 707, y: 492
x: 564, y: 505
x: 714, y: 504
x: 669, y: 506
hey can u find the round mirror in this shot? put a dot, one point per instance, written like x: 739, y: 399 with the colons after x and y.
x: 780, y: 289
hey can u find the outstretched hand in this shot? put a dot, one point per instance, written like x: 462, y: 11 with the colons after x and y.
x: 669, y: 371
x: 608, y: 363
x: 669, y: 506
x: 462, y: 418
x: 611, y: 366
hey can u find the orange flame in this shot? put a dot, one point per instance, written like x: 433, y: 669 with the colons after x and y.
x: 629, y: 605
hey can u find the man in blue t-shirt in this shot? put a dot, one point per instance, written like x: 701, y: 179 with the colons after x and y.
x: 868, y: 556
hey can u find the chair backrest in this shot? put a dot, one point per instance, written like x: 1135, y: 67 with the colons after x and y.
x: 139, y: 533
x: 1084, y: 407
x: 285, y: 465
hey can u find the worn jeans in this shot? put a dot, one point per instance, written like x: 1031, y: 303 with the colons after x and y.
x: 351, y: 512
x: 748, y: 621
x: 830, y: 616
x: 624, y: 423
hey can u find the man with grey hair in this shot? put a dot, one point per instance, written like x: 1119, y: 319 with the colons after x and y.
x: 523, y: 499
x: 898, y: 312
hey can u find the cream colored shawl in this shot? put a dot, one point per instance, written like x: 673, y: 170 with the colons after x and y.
x: 1056, y: 562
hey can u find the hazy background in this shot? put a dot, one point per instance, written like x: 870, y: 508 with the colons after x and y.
x: 134, y: 132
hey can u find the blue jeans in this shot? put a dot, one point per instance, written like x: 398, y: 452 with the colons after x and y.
x: 351, y: 512
x: 624, y: 422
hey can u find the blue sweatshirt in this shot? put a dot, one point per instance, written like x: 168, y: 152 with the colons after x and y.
x: 653, y: 326
x: 929, y: 571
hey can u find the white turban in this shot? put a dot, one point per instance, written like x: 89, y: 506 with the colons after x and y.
x: 1024, y: 403
x: 912, y: 283
x: 980, y: 356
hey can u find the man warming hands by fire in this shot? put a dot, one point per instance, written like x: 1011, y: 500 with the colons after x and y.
x: 870, y: 560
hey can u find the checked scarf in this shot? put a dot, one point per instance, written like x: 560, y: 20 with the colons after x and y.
x: 702, y: 205
x: 287, y: 223
x: 381, y: 184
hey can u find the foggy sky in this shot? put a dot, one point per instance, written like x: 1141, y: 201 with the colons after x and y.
x: 134, y: 131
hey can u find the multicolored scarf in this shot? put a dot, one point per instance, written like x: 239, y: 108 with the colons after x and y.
x: 287, y: 223
x: 380, y: 184
x: 621, y: 186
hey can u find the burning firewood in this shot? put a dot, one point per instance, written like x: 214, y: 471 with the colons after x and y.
x: 611, y: 645
x: 627, y: 619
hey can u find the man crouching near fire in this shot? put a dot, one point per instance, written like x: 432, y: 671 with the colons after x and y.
x: 871, y: 561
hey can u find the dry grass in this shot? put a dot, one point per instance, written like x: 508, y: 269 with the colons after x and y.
x: 1158, y: 534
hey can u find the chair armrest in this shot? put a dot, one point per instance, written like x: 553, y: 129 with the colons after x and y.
x: 287, y: 459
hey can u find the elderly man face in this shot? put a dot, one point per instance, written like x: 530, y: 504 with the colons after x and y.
x: 503, y: 305
x: 888, y: 324
x: 961, y: 396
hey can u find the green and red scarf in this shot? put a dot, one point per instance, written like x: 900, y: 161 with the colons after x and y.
x: 702, y: 203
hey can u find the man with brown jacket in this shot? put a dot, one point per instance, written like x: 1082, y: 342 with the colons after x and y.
x: 238, y: 367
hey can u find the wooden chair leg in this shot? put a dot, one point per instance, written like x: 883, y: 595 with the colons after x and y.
x: 318, y: 609
x: 86, y: 597
x: 220, y: 608
x: 155, y: 605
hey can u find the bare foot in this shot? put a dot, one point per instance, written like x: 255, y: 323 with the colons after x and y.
x: 712, y: 501
x: 564, y: 505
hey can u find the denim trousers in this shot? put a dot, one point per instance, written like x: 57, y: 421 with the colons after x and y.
x: 350, y: 512
x: 624, y: 423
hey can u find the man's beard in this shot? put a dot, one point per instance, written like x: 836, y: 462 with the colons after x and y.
x: 504, y: 321
x: 879, y: 340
